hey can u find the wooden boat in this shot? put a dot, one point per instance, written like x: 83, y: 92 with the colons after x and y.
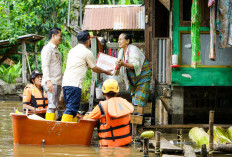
x: 37, y: 132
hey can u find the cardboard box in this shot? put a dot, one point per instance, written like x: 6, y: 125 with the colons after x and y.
x: 107, y: 62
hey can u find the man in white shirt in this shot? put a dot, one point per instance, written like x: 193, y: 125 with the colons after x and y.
x: 52, y: 71
x: 80, y: 58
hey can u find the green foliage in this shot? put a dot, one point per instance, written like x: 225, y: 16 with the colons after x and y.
x: 10, y: 74
x: 19, y: 17
x: 86, y: 87
x: 33, y: 16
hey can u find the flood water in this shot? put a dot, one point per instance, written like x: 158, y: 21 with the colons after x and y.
x: 7, y: 148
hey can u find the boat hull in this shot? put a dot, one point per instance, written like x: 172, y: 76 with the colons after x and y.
x: 37, y: 132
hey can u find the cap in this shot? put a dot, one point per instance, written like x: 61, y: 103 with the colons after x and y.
x: 83, y: 36
x: 34, y: 74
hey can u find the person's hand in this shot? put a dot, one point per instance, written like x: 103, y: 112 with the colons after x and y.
x: 119, y: 63
x: 50, y: 86
x: 108, y: 72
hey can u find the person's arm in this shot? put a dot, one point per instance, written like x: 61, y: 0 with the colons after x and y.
x: 26, y: 96
x: 46, y: 59
x: 128, y: 65
x: 91, y: 64
x: 27, y: 100
x: 95, y: 114
x: 99, y: 70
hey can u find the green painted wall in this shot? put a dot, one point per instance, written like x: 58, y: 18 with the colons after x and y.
x: 200, y: 76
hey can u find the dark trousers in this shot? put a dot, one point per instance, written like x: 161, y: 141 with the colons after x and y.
x: 72, y: 99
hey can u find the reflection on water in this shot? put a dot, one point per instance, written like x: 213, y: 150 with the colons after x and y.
x: 7, y: 147
x: 54, y: 151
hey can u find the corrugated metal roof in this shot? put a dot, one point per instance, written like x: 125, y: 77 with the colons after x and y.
x: 114, y: 17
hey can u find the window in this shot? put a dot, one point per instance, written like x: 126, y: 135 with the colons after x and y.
x: 185, y: 13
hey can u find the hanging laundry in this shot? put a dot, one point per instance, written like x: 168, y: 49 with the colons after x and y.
x: 212, y: 50
x: 211, y: 2
x: 109, y: 51
x: 223, y: 22
x: 115, y: 53
x: 195, y: 33
x: 230, y: 28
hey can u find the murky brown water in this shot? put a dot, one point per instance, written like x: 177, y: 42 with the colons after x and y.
x: 7, y: 147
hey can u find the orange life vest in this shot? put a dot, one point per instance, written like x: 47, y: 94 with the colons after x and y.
x: 34, y: 97
x: 114, y: 124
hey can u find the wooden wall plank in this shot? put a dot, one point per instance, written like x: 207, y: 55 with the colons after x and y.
x: 168, y: 63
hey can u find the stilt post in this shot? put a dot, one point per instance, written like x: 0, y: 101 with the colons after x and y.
x: 157, y: 144
x: 145, y: 147
x: 211, y: 123
x: 179, y: 137
x: 203, y: 151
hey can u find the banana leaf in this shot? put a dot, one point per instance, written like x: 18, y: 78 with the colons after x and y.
x: 220, y: 135
x: 229, y: 131
x: 199, y: 136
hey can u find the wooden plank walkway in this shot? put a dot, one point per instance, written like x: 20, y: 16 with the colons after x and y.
x: 165, y: 155
x: 184, y: 126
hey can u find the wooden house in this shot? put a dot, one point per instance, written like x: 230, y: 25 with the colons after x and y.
x: 187, y: 93
x: 180, y: 94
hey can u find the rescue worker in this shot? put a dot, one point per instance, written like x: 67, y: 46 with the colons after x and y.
x: 113, y: 117
x: 34, y: 96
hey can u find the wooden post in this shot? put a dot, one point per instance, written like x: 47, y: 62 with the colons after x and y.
x: 145, y: 147
x: 203, y: 151
x: 135, y: 119
x: 168, y: 62
x: 94, y: 75
x: 211, y: 123
x: 165, y: 116
x: 28, y: 64
x: 94, y: 51
x: 36, y: 59
x: 179, y: 137
x: 134, y: 131
x: 24, y: 66
x: 92, y: 93
x: 157, y: 144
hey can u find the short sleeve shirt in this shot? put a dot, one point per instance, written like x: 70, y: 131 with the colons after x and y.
x: 51, y: 64
x: 79, y: 60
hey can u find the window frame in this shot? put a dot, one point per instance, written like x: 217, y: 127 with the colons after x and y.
x: 204, y: 15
